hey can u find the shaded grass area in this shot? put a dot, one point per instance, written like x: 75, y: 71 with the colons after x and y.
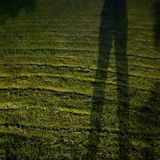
x: 54, y: 64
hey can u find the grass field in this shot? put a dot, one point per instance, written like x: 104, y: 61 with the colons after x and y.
x: 79, y: 79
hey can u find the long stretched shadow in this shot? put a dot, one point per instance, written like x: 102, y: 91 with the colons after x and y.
x: 156, y: 8
x: 113, y: 30
x: 11, y: 8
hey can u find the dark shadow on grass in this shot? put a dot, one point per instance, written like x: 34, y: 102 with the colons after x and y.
x: 27, y: 147
x: 156, y: 8
x: 113, y: 30
x: 150, y: 120
x: 11, y: 8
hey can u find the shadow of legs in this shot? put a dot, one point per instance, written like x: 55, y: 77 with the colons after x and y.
x: 113, y: 28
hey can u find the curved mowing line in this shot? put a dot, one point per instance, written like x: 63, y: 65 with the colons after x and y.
x: 78, y: 68
x: 81, y: 67
x: 57, y: 50
x: 84, y: 80
x: 70, y: 66
x: 53, y: 40
x: 56, y: 92
x: 60, y: 92
x: 69, y: 130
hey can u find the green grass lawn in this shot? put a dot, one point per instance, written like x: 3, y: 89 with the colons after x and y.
x: 63, y: 97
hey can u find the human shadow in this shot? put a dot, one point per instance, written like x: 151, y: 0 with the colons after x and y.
x: 113, y: 29
x: 150, y: 120
x: 11, y: 8
x: 156, y: 8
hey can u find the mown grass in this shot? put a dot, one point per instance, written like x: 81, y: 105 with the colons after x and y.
x: 48, y: 63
